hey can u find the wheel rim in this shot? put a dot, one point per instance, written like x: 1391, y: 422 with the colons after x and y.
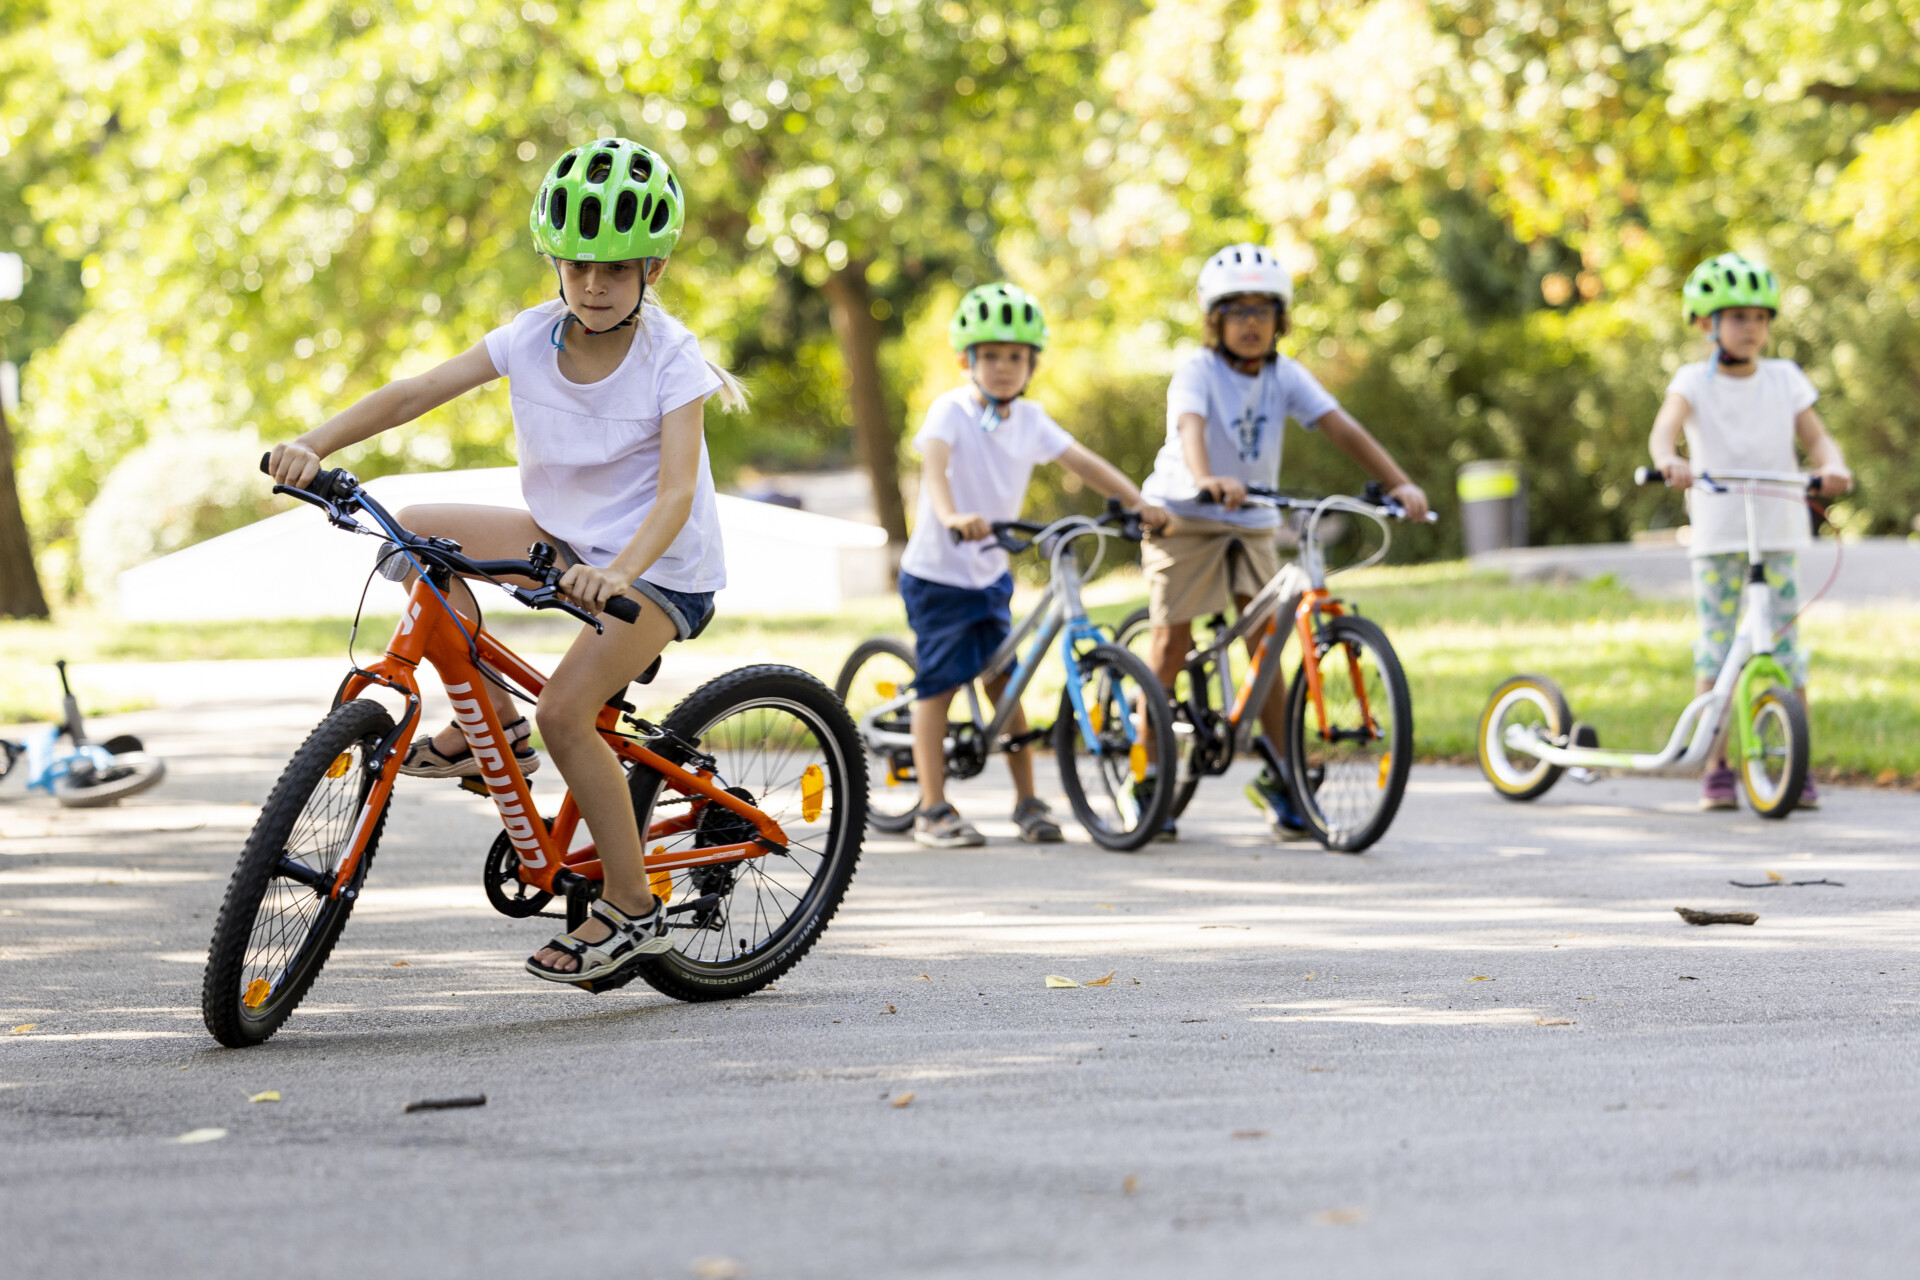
x: 1348, y: 771
x: 763, y: 751
x: 888, y: 794
x: 1528, y: 707
x: 1113, y: 701
x: 1137, y: 641
x: 292, y: 914
x: 1766, y: 770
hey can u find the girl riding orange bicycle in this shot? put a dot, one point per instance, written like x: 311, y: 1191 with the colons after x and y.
x: 608, y: 396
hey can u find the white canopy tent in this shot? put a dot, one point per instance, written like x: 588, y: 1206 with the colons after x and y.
x: 294, y: 565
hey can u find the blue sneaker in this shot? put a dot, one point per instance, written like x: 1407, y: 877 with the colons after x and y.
x: 1271, y: 798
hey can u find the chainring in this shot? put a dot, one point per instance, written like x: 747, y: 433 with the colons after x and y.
x: 500, y: 878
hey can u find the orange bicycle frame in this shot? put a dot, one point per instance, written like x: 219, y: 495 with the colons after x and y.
x: 427, y: 631
x: 1306, y: 617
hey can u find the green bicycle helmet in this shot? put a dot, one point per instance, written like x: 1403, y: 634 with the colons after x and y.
x: 1729, y: 281
x: 609, y: 201
x: 998, y: 313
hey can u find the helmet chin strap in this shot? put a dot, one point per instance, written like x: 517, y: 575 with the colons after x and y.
x: 1720, y: 352
x: 990, y: 415
x: 558, y: 335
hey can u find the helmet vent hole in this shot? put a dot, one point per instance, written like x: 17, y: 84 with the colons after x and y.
x: 1026, y: 313
x: 600, y: 168
x: 1006, y: 313
x: 662, y: 211
x: 625, y: 210
x: 566, y: 164
x: 986, y: 312
x: 640, y: 168
x: 557, y: 209
x: 673, y: 185
x: 590, y: 217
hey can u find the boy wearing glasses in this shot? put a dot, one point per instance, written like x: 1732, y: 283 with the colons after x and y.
x: 1225, y: 407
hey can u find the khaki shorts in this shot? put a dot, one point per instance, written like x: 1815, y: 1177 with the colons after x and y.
x: 1191, y: 575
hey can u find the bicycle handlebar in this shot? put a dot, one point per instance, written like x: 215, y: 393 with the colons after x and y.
x: 338, y: 492
x: 1712, y: 481
x: 1372, y: 496
x: 1006, y: 533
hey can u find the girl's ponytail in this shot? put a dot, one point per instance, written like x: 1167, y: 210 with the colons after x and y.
x: 733, y: 392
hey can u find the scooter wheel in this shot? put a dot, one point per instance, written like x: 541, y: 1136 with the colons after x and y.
x: 1529, y: 702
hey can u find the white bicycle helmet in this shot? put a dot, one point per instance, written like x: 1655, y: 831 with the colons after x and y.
x: 1244, y: 268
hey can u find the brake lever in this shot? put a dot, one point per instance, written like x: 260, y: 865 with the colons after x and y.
x: 550, y: 598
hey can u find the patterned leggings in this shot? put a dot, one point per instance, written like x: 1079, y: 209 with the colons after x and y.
x: 1717, y: 584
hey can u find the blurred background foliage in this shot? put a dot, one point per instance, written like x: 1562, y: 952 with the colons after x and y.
x: 238, y: 216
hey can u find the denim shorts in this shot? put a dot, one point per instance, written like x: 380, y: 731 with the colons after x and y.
x: 689, y: 611
x: 955, y: 629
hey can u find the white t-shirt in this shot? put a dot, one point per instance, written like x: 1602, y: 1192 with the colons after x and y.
x: 590, y: 452
x: 987, y: 472
x: 1744, y: 424
x: 1244, y: 419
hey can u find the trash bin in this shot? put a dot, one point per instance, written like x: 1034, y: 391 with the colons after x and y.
x: 1493, y: 506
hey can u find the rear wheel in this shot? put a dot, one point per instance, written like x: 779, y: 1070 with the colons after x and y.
x: 1535, y: 705
x: 1350, y: 771
x: 1106, y: 780
x: 874, y: 677
x: 279, y: 923
x: 1134, y: 634
x: 1774, y: 775
x: 784, y: 743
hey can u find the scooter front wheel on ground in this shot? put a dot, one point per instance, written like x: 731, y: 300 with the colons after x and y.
x: 879, y: 671
x: 279, y: 920
x: 1530, y: 702
x: 1350, y: 765
x: 1775, y: 774
x: 1118, y: 803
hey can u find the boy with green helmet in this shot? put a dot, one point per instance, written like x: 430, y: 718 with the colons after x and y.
x: 1741, y: 412
x: 613, y: 468
x: 980, y: 444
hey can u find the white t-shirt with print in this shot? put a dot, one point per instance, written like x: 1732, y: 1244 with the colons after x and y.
x: 1744, y: 424
x: 987, y: 473
x: 1244, y: 420
x: 590, y: 452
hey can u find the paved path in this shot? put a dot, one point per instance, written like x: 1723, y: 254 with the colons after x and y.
x: 1296, y: 1069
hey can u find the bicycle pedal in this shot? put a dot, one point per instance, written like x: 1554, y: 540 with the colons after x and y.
x: 474, y: 785
x: 611, y: 982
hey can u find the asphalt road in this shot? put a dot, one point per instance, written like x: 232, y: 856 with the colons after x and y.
x: 1488, y: 1047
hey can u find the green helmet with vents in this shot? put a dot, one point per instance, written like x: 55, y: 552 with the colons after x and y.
x: 609, y: 201
x: 1729, y: 281
x: 998, y: 313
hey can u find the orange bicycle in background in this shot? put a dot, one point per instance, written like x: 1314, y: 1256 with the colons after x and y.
x: 751, y: 796
x: 1349, y: 714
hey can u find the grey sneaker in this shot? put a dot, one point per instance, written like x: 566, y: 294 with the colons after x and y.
x: 942, y: 827
x: 1036, y: 822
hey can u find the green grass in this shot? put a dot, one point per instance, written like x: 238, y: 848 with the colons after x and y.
x: 1624, y: 661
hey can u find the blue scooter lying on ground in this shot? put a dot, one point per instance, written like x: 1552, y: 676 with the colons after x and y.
x: 82, y: 775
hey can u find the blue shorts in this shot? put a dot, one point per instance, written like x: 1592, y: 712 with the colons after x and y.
x: 955, y: 629
x: 688, y: 611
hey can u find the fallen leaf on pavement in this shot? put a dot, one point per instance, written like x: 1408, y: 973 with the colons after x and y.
x: 1055, y: 980
x: 1775, y: 876
x: 401, y: 964
x: 887, y: 1010
x: 902, y: 1100
x: 923, y: 977
x: 715, y: 1268
x: 1480, y: 977
x: 271, y: 1095
x: 1129, y: 1184
x: 192, y: 1136
x: 1338, y: 1217
x: 1715, y: 917
x: 1136, y: 982
x: 1103, y: 906
x: 1226, y: 926
x: 1101, y: 982
x: 1249, y: 1133
x: 1552, y: 1022
x: 1312, y: 976
x: 24, y: 1027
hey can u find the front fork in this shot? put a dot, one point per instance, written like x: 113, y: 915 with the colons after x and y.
x: 1080, y: 631
x: 1762, y: 670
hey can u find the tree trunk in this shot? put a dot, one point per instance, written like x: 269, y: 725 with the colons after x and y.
x: 20, y: 595
x: 851, y: 305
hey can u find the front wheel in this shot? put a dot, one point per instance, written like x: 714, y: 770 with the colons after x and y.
x: 1134, y: 634
x: 1775, y: 773
x: 1532, y: 704
x: 279, y: 920
x: 877, y: 675
x: 1349, y: 753
x: 781, y: 741
x: 1126, y: 709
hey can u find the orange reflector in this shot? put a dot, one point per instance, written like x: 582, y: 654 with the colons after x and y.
x: 886, y: 688
x: 1097, y: 716
x: 340, y: 765
x: 661, y: 882
x: 1386, y: 766
x: 257, y: 992
x: 813, y: 790
x: 1137, y: 758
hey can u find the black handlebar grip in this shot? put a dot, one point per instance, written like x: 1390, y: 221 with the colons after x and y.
x: 1647, y: 475
x: 265, y: 460
x: 625, y: 608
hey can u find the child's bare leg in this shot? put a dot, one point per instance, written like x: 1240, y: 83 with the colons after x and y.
x: 1167, y: 650
x: 930, y: 749
x: 484, y: 533
x: 597, y: 667
x: 1019, y: 763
